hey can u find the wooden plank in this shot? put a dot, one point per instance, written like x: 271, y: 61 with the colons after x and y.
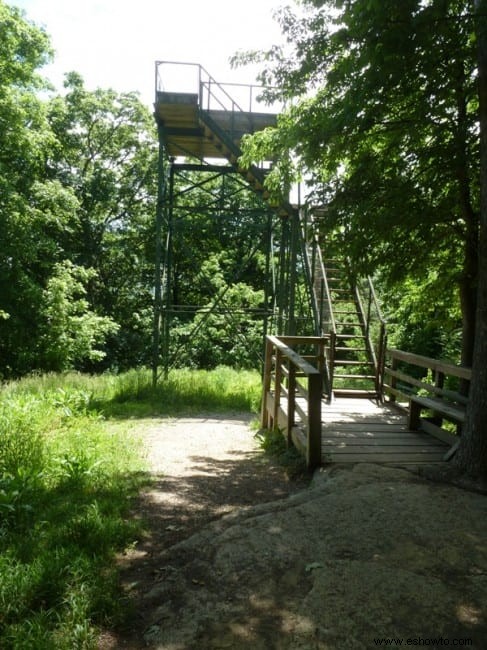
x: 450, y: 394
x: 299, y: 440
x: 382, y: 437
x: 301, y: 412
x: 355, y: 431
x: 264, y: 419
x: 365, y: 423
x: 291, y: 398
x: 306, y: 367
x: 366, y: 446
x: 313, y: 458
x: 383, y: 458
x: 437, y: 432
x: 434, y: 364
x: 308, y: 340
x: 343, y: 427
x: 452, y: 451
x: 447, y: 410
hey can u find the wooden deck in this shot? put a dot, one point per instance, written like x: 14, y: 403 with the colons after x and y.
x: 355, y: 429
x: 360, y: 430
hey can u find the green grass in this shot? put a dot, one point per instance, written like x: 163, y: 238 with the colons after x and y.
x: 273, y: 444
x: 183, y: 391
x: 69, y: 469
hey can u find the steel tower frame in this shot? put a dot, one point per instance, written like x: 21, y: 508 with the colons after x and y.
x: 199, y: 133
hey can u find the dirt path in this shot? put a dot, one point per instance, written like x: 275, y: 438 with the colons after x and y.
x: 204, y: 468
x: 238, y: 557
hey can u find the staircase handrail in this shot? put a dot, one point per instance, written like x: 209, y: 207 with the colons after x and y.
x: 317, y: 316
x: 309, y: 238
x: 375, y: 301
x: 332, y: 322
x: 377, y: 352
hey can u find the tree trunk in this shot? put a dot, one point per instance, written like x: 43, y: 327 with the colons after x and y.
x: 468, y: 302
x: 468, y: 282
x: 472, y: 453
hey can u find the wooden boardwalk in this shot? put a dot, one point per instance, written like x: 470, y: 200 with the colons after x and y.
x: 360, y: 430
x: 356, y: 429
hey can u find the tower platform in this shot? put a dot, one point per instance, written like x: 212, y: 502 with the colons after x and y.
x: 207, y: 122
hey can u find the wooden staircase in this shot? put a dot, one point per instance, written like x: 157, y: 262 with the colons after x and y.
x: 348, y: 315
x: 353, y: 365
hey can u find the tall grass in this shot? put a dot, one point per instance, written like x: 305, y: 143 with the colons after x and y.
x: 183, y: 391
x: 67, y: 478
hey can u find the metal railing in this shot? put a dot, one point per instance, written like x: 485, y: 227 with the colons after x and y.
x: 374, y: 327
x: 193, y: 78
x: 321, y: 304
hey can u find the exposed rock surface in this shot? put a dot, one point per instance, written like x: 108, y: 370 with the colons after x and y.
x: 365, y: 553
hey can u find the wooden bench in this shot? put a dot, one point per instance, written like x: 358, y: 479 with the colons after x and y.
x: 448, y: 410
x: 441, y: 388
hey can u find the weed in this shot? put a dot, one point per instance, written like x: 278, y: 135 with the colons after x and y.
x: 273, y: 443
x: 183, y: 391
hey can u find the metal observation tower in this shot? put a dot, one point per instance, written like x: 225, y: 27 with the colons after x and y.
x: 201, y: 123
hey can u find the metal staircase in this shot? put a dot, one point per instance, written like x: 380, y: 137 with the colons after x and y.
x: 354, y: 362
x: 347, y: 313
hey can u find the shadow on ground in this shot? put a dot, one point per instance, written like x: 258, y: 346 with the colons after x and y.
x: 174, y: 508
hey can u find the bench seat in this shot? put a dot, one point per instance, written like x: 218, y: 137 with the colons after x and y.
x: 450, y: 411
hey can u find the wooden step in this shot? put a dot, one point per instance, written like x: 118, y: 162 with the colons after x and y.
x: 346, y: 376
x: 347, y: 349
x: 355, y: 392
x: 352, y: 362
x: 350, y: 336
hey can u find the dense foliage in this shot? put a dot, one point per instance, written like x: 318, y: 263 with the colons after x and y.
x: 387, y: 103
x: 78, y: 188
x: 384, y: 126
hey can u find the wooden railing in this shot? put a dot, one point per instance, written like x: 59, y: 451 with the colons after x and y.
x: 438, y: 388
x: 292, y: 392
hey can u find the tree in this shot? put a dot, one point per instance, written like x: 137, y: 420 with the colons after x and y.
x: 72, y: 333
x: 77, y: 186
x: 384, y: 125
x: 26, y: 233
x: 106, y: 157
x: 472, y: 453
x: 387, y: 127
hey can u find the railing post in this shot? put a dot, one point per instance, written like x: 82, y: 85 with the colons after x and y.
x: 381, y: 363
x: 313, y: 453
x: 277, y: 388
x: 291, y: 403
x: 264, y: 419
x: 313, y: 260
x: 332, y: 361
x: 369, y: 307
x: 322, y: 301
x: 394, y: 366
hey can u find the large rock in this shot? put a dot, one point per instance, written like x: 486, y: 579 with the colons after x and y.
x: 367, y: 553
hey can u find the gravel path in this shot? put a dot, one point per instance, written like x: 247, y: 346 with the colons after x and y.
x: 237, y: 556
x: 203, y: 468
